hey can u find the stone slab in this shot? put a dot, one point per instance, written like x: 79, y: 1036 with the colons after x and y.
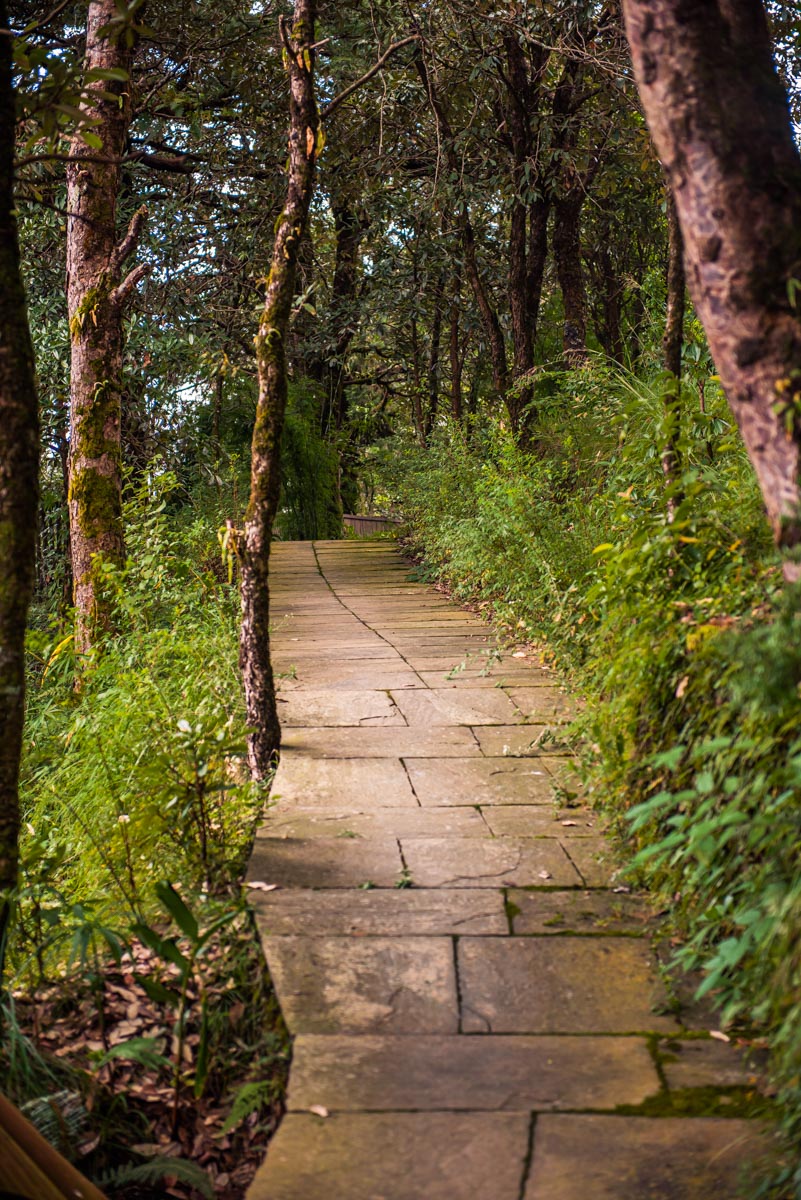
x: 381, y: 911
x: 494, y: 862
x: 397, y: 1156
x: 473, y: 677
x: 315, y: 782
x: 480, y: 781
x: 369, y: 985
x: 352, y: 676
x: 543, y: 704
x: 456, y: 706
x: 636, y: 1158
x: 518, y: 741
x: 445, y: 663
x: 537, y: 820
x: 586, y: 912
x: 702, y: 1063
x: 595, y: 861
x: 350, y: 822
x: 322, y: 707
x: 324, y: 862
x: 559, y: 985
x: 513, y: 1074
x: 381, y: 743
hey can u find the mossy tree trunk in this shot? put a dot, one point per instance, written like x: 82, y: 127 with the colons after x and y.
x: 19, y: 489
x: 721, y: 125
x: 96, y: 299
x: 254, y: 548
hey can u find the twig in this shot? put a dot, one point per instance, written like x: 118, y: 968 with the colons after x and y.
x: 376, y: 67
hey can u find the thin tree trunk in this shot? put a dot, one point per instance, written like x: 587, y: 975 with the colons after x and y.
x: 489, y: 317
x: 720, y: 121
x: 570, y: 273
x: 671, y: 347
x: 19, y: 490
x: 434, y: 356
x: 254, y: 549
x: 96, y: 299
x: 454, y: 348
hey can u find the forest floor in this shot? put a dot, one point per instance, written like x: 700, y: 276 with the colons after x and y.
x: 472, y: 986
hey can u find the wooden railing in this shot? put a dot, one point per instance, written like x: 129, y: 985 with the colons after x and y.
x: 366, y: 526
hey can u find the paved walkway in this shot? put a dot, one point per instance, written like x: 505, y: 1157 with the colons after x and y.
x: 474, y: 1005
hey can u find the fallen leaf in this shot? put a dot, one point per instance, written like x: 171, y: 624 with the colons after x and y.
x: 256, y: 885
x: 719, y: 1035
x: 545, y: 875
x: 319, y: 1111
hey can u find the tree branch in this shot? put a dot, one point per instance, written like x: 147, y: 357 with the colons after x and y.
x: 131, y: 239
x: 376, y: 67
x: 121, y: 294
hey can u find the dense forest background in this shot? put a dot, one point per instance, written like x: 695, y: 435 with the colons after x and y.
x: 489, y: 337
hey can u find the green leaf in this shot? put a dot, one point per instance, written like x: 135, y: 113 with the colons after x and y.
x: 178, y: 910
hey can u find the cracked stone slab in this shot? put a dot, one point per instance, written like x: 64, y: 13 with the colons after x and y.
x: 560, y: 985
x: 473, y: 677
x: 481, y: 781
x: 369, y: 985
x: 375, y: 823
x: 456, y: 706
x: 328, y: 707
x: 351, y: 677
x: 535, y: 820
x: 387, y: 912
x: 543, y: 704
x: 514, y: 1074
x: 324, y: 862
x: 494, y: 862
x: 641, y: 1158
x: 520, y: 741
x: 445, y: 663
x: 595, y: 860
x: 397, y: 1156
x: 360, y: 783
x: 397, y: 742
x: 590, y: 912
x: 700, y: 1063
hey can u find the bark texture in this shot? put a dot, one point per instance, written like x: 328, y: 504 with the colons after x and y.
x: 96, y: 298
x: 720, y: 121
x: 19, y: 489
x: 265, y: 482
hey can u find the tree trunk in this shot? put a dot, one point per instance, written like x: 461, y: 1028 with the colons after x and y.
x: 570, y: 272
x: 19, y: 489
x: 254, y: 548
x: 95, y: 301
x: 671, y: 346
x: 350, y: 229
x: 539, y: 212
x: 720, y: 121
x: 489, y: 317
x: 454, y: 348
x: 434, y: 356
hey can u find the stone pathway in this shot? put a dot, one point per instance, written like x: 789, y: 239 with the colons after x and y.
x: 475, y: 1010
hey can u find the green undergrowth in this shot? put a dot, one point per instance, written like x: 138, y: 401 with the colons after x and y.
x: 663, y: 605
x: 138, y: 818
x: 137, y: 775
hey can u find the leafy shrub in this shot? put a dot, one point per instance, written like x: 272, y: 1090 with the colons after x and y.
x: 665, y: 604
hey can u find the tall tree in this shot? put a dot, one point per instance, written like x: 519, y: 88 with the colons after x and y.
x: 254, y: 548
x: 719, y: 118
x: 96, y: 299
x: 19, y: 487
